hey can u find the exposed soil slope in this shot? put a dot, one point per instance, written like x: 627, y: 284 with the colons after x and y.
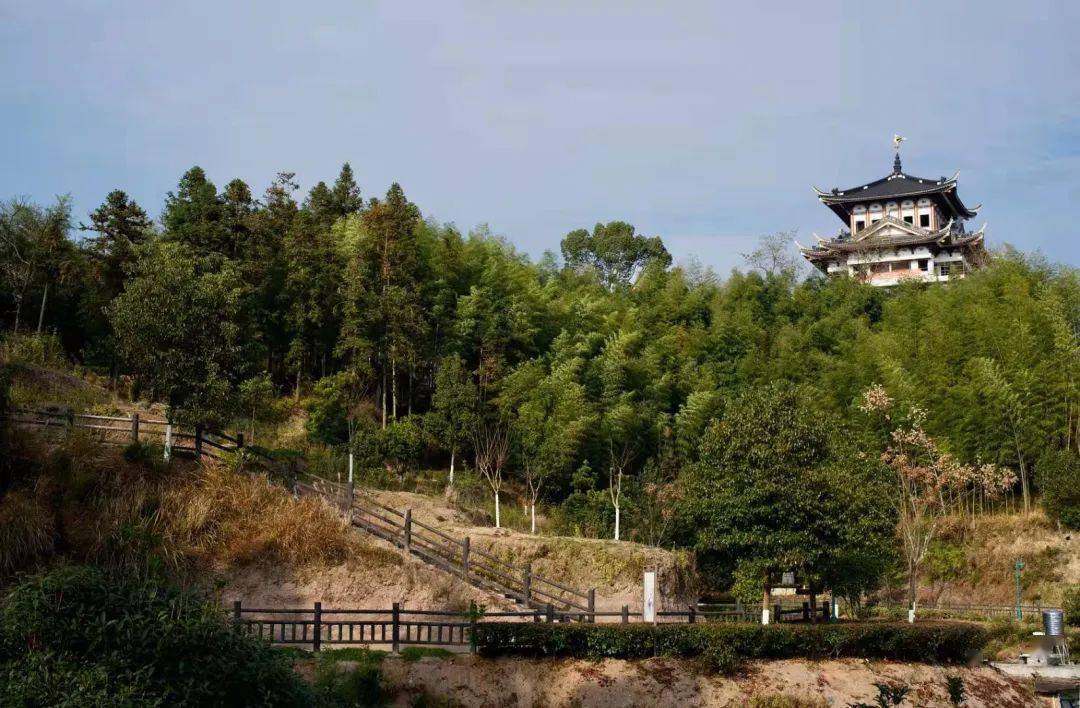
x: 615, y: 569
x: 471, y: 681
x: 976, y: 566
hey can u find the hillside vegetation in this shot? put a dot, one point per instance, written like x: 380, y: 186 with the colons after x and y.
x: 765, y: 421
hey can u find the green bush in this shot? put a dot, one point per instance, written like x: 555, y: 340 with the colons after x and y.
x: 34, y: 350
x: 417, y: 653
x: 47, y: 679
x: 351, y: 677
x: 1058, y: 474
x: 926, y: 642
x: 128, y: 641
x: 1071, y: 606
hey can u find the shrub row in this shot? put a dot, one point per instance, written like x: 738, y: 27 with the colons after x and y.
x: 82, y: 636
x: 932, y: 642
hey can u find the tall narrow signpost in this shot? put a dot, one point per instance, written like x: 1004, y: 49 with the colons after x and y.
x: 649, y: 602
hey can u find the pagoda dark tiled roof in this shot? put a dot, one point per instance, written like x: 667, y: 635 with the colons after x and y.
x: 898, y: 186
x: 895, y: 185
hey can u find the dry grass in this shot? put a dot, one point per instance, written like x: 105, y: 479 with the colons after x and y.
x: 26, y: 531
x: 226, y: 519
x: 992, y: 544
x: 786, y: 700
x: 100, y: 507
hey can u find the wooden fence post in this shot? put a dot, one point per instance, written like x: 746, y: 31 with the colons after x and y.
x: 465, y: 558
x: 396, y: 616
x: 134, y: 427
x: 550, y: 613
x: 316, y: 640
x: 776, y: 612
x: 408, y: 530
x: 526, y: 582
x: 592, y: 605
x: 236, y: 611
x: 693, y: 614
x: 198, y: 442
x: 625, y: 614
x: 473, y: 614
x: 239, y: 440
x: 70, y: 418
x: 806, y: 611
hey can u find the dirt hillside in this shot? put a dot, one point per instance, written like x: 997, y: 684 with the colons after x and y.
x: 973, y: 561
x: 471, y: 681
x: 615, y: 569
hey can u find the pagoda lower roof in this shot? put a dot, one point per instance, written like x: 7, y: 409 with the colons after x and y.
x: 873, y: 239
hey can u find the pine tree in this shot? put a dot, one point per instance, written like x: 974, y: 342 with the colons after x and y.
x: 193, y: 215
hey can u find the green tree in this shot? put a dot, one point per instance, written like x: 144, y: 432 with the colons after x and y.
x: 382, y: 313
x: 1058, y: 474
x: 121, y: 227
x: 35, y: 251
x: 453, y: 416
x: 254, y: 396
x: 193, y: 215
x: 763, y: 499
x: 184, y: 333
x: 614, y: 250
x: 551, y: 417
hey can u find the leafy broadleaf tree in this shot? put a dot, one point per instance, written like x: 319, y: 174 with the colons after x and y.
x: 184, y: 332
x: 761, y: 501
x: 614, y: 250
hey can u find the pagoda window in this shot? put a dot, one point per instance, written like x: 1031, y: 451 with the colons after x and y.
x: 924, y: 264
x: 859, y: 225
x: 943, y: 269
x: 924, y: 220
x: 909, y: 219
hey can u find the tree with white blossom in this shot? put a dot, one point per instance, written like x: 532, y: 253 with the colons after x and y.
x: 928, y: 481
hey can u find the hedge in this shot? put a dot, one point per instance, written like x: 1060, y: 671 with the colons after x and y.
x: 930, y: 642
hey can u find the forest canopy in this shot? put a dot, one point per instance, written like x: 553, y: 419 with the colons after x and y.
x: 600, y: 381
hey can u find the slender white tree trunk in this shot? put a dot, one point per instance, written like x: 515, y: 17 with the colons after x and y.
x: 497, y: 518
x: 532, y: 514
x: 453, y: 450
x: 382, y: 398
x: 617, y: 510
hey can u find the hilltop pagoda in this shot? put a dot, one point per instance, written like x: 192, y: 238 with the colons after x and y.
x: 899, y: 227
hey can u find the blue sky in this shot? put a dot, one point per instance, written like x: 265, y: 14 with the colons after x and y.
x: 705, y: 123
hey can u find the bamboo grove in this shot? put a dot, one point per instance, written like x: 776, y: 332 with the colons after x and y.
x: 608, y: 382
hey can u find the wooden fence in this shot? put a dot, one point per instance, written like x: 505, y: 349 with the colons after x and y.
x: 961, y: 611
x: 473, y: 565
x: 196, y: 441
x: 399, y: 627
